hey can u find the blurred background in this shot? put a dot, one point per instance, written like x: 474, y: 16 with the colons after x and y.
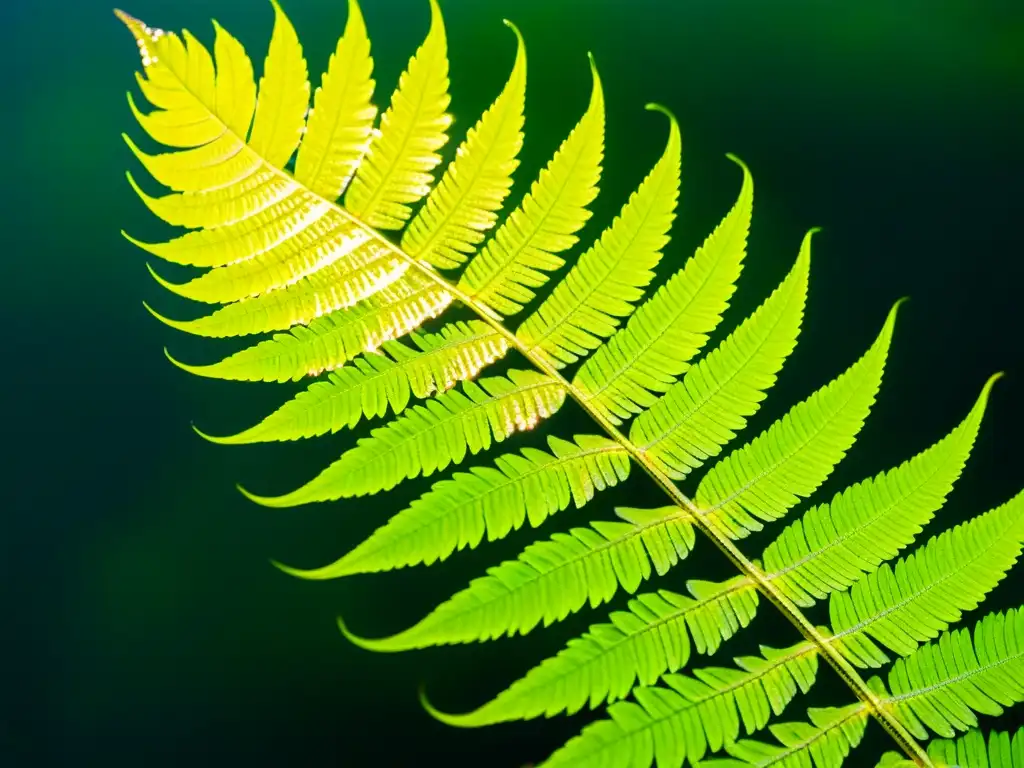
x: 145, y: 625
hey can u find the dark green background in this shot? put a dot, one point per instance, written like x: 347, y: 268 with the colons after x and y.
x: 145, y: 625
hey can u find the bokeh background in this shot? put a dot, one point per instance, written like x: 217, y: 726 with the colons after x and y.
x: 144, y: 623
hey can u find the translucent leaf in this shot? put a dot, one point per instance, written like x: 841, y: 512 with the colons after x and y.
x: 701, y: 413
x: 656, y: 635
x: 686, y: 717
x: 835, y: 544
x: 376, y: 382
x: 429, y: 437
x: 552, y: 579
x: 517, y: 260
x: 396, y: 171
x: 825, y: 742
x: 457, y: 513
x: 767, y: 477
x: 283, y: 96
x: 928, y: 590
x: 610, y: 276
x: 332, y: 340
x: 943, y: 684
x: 339, y: 126
x: 972, y: 751
x: 465, y: 202
x: 627, y: 373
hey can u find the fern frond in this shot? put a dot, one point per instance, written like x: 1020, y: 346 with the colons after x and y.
x: 625, y: 375
x: 833, y: 545
x: 686, y: 717
x: 183, y: 87
x: 319, y: 244
x: 238, y: 242
x: 246, y: 194
x: 554, y: 578
x: 457, y: 513
x: 346, y: 270
x: 701, y: 413
x: 789, y: 460
x: 396, y: 171
x: 427, y: 438
x: 928, y: 590
x: 969, y: 751
x: 283, y: 96
x: 377, y: 382
x: 825, y: 742
x: 943, y: 684
x: 465, y: 202
x: 656, y: 635
x: 258, y: 176
x: 515, y: 262
x: 278, y: 235
x: 220, y: 163
x: 330, y: 341
x: 339, y: 126
x: 602, y: 286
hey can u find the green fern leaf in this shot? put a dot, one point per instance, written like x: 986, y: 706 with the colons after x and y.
x: 457, y: 513
x: 464, y: 203
x: 552, y: 579
x: 911, y: 493
x: 610, y: 276
x: 283, y: 96
x: 258, y: 176
x: 971, y: 751
x: 656, y: 635
x: 826, y: 741
x: 686, y: 717
x: 396, y: 171
x: 516, y: 260
x: 376, y: 382
x: 929, y: 589
x: 327, y: 288
x: 794, y: 455
x: 238, y: 242
x: 698, y: 415
x: 943, y: 684
x: 280, y: 269
x: 427, y: 438
x: 340, y: 124
x: 835, y: 544
x: 332, y: 340
x: 201, y: 168
x: 245, y: 193
x: 667, y: 330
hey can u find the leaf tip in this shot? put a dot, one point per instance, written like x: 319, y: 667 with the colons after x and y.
x: 739, y: 161
x: 137, y: 243
x: 176, y: 324
x: 198, y: 370
x: 298, y: 572
x: 264, y: 501
x: 891, y: 319
x: 172, y: 287
x: 805, y: 246
x: 382, y: 644
x: 333, y: 571
x: 212, y: 438
x: 991, y: 382
x: 126, y: 18
x: 457, y: 721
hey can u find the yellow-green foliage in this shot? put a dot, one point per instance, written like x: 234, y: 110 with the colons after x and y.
x: 345, y: 234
